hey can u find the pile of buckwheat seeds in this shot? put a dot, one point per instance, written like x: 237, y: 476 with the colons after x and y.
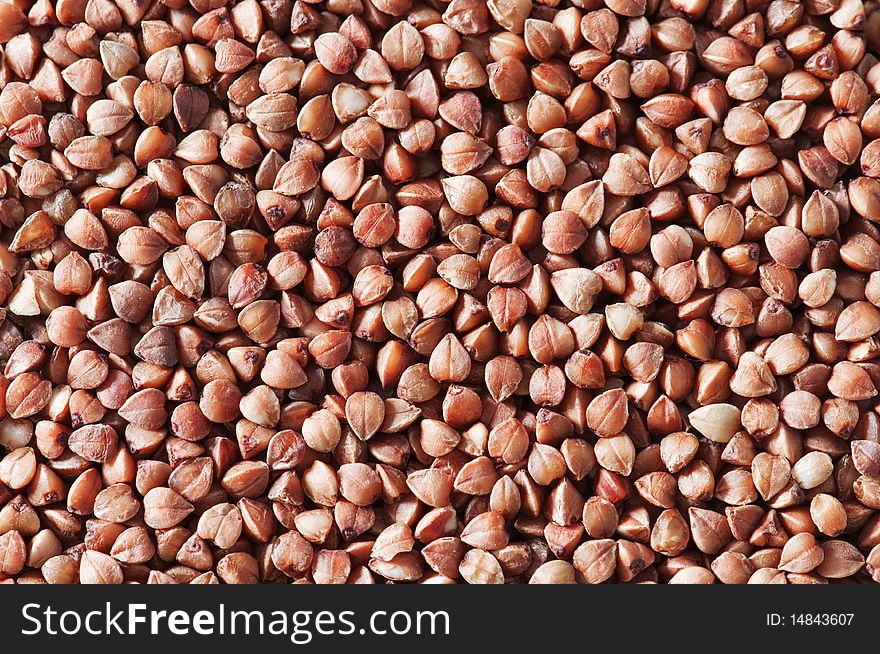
x: 493, y: 291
